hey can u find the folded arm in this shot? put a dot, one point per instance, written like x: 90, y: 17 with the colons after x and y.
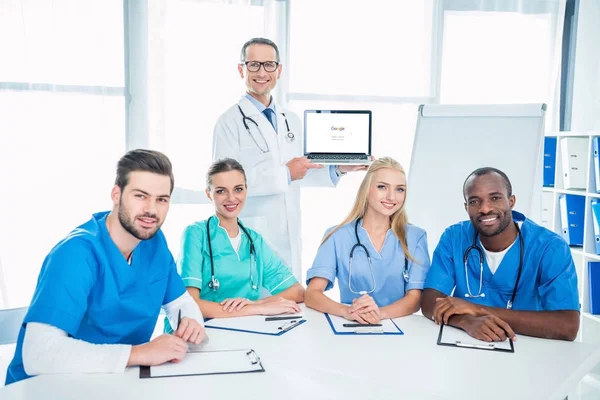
x: 315, y: 298
x: 407, y: 305
x: 558, y: 324
x: 294, y: 293
x: 283, y: 303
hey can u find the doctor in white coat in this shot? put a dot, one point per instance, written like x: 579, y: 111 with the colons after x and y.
x: 268, y: 141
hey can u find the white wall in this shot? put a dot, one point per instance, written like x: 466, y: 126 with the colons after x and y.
x: 586, y: 78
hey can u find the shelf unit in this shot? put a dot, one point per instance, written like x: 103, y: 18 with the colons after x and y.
x: 590, y: 329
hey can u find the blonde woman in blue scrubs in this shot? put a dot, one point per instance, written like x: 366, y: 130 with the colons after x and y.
x: 384, y: 277
x: 242, y: 264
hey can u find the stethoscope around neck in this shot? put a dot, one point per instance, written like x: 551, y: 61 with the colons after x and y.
x: 214, y: 283
x: 289, y: 136
x: 374, y: 286
x: 475, y: 247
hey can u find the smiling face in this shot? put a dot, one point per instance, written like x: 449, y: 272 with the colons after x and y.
x: 228, y: 193
x: 488, y: 204
x: 143, y: 203
x: 387, y: 191
x: 260, y: 83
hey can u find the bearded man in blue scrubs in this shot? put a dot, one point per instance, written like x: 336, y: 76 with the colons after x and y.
x: 101, y: 288
x: 527, y: 284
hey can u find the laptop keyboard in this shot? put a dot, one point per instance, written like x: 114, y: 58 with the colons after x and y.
x: 337, y: 157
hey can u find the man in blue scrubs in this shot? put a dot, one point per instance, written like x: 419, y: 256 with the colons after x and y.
x: 527, y: 283
x: 101, y: 288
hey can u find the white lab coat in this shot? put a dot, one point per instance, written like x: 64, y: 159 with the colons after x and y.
x: 272, y: 206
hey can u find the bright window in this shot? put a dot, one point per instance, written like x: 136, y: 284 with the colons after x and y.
x: 201, y: 79
x: 60, y: 141
x: 195, y: 80
x: 58, y: 155
x: 507, y: 60
x: 67, y: 42
x: 360, y: 48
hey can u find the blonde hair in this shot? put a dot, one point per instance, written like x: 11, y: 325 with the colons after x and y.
x: 398, y: 219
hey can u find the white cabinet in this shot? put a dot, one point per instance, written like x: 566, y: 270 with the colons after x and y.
x: 551, y: 212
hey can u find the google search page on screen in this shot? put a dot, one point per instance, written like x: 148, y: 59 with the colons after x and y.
x: 337, y: 133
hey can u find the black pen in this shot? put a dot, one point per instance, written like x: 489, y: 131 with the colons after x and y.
x: 179, y: 319
x: 282, y: 318
x: 360, y: 325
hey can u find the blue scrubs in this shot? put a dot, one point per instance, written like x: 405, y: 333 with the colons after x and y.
x: 333, y: 257
x: 87, y: 289
x: 548, y: 279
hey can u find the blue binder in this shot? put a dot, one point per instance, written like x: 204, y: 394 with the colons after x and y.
x: 596, y: 148
x: 549, y: 161
x: 594, y: 285
x: 571, y: 218
x: 254, y: 324
x: 596, y: 219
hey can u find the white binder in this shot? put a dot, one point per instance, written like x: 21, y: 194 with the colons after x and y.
x: 574, y: 157
x: 547, y: 217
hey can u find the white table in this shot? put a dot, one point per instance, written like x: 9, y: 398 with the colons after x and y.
x: 310, y: 362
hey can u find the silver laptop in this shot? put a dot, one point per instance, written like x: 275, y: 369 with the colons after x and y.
x: 337, y: 136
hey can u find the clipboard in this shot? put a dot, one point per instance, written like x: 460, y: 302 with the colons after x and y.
x: 254, y: 324
x: 458, y: 338
x: 388, y: 327
x: 207, y: 363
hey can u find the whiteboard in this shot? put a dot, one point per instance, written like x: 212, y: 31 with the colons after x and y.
x: 451, y: 141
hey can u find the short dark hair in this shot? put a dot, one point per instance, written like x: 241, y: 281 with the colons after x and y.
x: 258, y: 41
x: 485, y: 171
x: 223, y: 165
x: 146, y: 161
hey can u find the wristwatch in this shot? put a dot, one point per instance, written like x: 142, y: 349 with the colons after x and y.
x: 338, y: 171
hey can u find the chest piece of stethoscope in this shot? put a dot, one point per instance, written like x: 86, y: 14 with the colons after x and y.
x: 214, y: 284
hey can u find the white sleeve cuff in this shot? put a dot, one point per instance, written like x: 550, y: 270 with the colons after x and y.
x: 188, y: 307
x: 123, y: 359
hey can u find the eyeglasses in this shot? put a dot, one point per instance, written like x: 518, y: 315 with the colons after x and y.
x: 254, y: 66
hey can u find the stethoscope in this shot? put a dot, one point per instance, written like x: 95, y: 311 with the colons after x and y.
x: 475, y: 247
x: 289, y: 135
x: 214, y: 283
x: 359, y: 244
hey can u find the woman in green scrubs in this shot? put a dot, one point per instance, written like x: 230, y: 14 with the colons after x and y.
x: 227, y: 267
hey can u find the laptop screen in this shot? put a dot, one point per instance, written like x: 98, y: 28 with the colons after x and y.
x: 335, y: 132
